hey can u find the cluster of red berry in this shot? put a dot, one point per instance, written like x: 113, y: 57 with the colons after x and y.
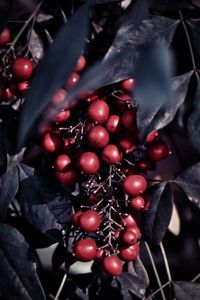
x: 14, y: 74
x: 97, y: 145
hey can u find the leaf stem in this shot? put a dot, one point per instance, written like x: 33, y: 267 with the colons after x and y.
x: 155, y: 271
x: 195, y: 278
x: 165, y: 262
x: 158, y: 290
x: 61, y: 287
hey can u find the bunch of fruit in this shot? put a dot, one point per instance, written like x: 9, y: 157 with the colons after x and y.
x: 15, y: 72
x: 97, y: 146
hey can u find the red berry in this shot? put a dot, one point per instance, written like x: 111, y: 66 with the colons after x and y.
x: 112, y: 265
x: 59, y: 97
x: 71, y: 81
x: 134, y: 185
x: 62, y: 163
x: 137, y: 203
x: 129, y: 220
x: 143, y: 165
x: 158, y: 150
x: 90, y: 97
x: 127, y: 145
x: 135, y: 229
x: 81, y: 63
x: 98, y: 111
x: 130, y: 170
x: 127, y: 85
x: 5, y: 36
x: 128, y: 238
x: 125, y: 98
x: 51, y: 142
x: 113, y: 124
x: 85, y: 250
x: 129, y: 253
x: 75, y: 219
x: 151, y: 136
x: 111, y: 155
x: 90, y: 221
x: 22, y: 68
x: 67, y: 144
x: 23, y: 87
x: 89, y: 163
x: 99, y: 254
x: 7, y: 95
x: 129, y: 119
x: 94, y: 198
x: 62, y: 116
x: 98, y: 137
x: 68, y: 178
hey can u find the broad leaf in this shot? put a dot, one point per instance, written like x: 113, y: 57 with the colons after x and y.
x: 141, y: 271
x: 156, y: 219
x: 158, y: 116
x: 130, y: 283
x: 57, y: 65
x: 45, y: 205
x: 189, y: 182
x: 18, y: 275
x: 186, y: 290
x: 36, y: 46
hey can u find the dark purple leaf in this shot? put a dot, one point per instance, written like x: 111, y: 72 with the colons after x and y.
x: 189, y: 182
x: 19, y: 279
x: 156, y: 219
x: 130, y: 283
x: 141, y: 271
x: 186, y: 290
x: 57, y: 65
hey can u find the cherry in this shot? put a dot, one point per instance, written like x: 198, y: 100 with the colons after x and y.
x: 129, y: 220
x: 71, y: 81
x: 22, y: 68
x: 98, y: 111
x: 5, y: 36
x: 151, y: 136
x: 98, y: 137
x: 127, y: 85
x: 138, y: 203
x: 59, y: 97
x: 99, y: 254
x: 129, y: 253
x: 94, y: 198
x: 143, y: 165
x: 135, y: 229
x: 111, y: 154
x: 23, y: 87
x: 62, y: 116
x: 51, y: 142
x: 68, y: 178
x: 81, y: 63
x: 75, y: 219
x: 90, y: 221
x: 134, y: 185
x: 125, y: 98
x: 7, y: 95
x: 158, y: 150
x: 90, y: 97
x: 85, y: 250
x: 130, y: 170
x: 67, y: 144
x: 129, y: 119
x: 62, y: 163
x: 128, y: 237
x: 113, y: 124
x: 89, y: 163
x: 112, y: 265
x: 127, y: 145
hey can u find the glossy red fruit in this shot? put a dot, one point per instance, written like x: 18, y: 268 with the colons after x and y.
x: 112, y: 265
x: 90, y: 97
x: 129, y: 220
x: 98, y: 137
x: 151, y: 136
x: 90, y: 221
x: 94, y: 198
x: 5, y: 37
x: 22, y: 68
x: 130, y: 170
x: 127, y: 85
x: 127, y: 145
x: 81, y: 63
x: 75, y: 219
x: 129, y: 253
x: 85, y: 250
x: 23, y: 87
x: 98, y: 111
x: 143, y: 165
x: 67, y: 145
x: 135, y: 229
x: 59, y: 97
x: 68, y: 178
x: 52, y: 142
x: 62, y: 163
x: 134, y: 185
x: 113, y: 124
x: 62, y: 116
x: 158, y: 150
x: 138, y: 203
x: 89, y: 163
x: 72, y: 80
x: 128, y: 238
x: 99, y: 254
x: 125, y: 98
x: 7, y: 95
x: 111, y: 155
x: 129, y: 119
